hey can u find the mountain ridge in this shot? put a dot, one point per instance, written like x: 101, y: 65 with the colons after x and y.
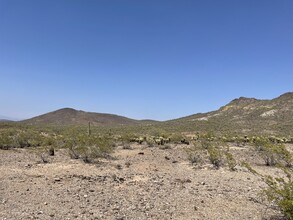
x: 242, y: 115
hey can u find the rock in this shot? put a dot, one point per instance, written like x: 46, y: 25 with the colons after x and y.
x: 57, y: 179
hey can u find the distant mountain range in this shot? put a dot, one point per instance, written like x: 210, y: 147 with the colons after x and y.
x: 242, y: 115
x: 5, y: 118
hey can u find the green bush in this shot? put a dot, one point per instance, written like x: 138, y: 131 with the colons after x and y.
x: 280, y: 192
x: 215, y: 156
x: 89, y: 148
x: 176, y: 138
x: 6, y: 142
x: 196, y: 153
x: 273, y: 154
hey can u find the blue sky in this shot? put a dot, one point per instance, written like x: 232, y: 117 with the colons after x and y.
x: 158, y: 59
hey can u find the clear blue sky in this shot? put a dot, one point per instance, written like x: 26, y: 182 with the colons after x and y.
x: 158, y: 59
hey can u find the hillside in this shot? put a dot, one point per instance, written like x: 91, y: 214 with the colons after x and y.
x: 243, y: 115
x: 69, y: 116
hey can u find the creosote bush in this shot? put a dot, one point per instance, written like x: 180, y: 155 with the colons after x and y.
x: 215, y: 156
x: 89, y: 148
x: 280, y: 192
x: 196, y: 153
x: 273, y: 154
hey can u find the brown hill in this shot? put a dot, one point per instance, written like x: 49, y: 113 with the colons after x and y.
x: 69, y: 116
x: 243, y: 115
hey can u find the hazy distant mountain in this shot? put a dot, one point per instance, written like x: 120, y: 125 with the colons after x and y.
x: 69, y: 116
x: 245, y: 115
x: 5, y: 118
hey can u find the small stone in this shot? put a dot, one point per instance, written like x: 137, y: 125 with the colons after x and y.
x: 57, y: 179
x: 188, y: 181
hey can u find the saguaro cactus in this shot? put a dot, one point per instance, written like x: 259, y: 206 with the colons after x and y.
x: 89, y: 129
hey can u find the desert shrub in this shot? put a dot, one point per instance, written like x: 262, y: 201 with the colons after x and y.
x: 150, y: 143
x: 176, y: 137
x: 280, y: 193
x: 44, y: 159
x: 127, y: 137
x: 195, y: 158
x: 279, y: 190
x: 157, y: 132
x: 73, y: 153
x: 21, y: 140
x: 273, y: 154
x: 230, y: 160
x: 6, y: 141
x: 210, y: 136
x: 196, y: 153
x: 206, y: 144
x: 126, y: 146
x: 215, y: 156
x: 89, y: 148
x: 165, y: 147
x: 205, y: 151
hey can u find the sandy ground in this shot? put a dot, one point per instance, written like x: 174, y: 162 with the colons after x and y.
x: 139, y: 183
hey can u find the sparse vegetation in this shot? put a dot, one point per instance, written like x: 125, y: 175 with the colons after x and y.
x: 280, y: 192
x: 215, y: 156
x: 230, y: 160
x: 206, y: 150
x: 272, y: 153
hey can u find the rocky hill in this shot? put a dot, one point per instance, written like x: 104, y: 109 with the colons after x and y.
x: 244, y: 115
x: 69, y: 116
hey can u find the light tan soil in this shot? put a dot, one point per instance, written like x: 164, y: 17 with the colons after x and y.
x: 139, y: 183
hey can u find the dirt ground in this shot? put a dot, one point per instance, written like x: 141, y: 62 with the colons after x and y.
x: 137, y: 183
